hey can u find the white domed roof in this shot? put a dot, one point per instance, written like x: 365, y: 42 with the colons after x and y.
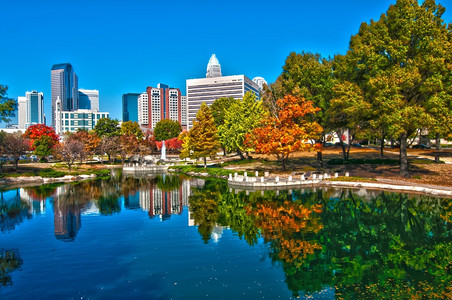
x: 213, y: 67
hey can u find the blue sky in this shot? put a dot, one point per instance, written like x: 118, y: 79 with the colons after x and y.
x: 124, y: 46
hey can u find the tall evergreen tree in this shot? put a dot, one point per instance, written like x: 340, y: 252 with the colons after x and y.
x: 202, y: 139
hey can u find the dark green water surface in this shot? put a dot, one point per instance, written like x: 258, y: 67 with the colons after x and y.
x: 169, y: 237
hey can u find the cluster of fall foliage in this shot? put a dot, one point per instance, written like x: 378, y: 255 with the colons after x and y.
x: 107, y: 137
x: 286, y: 133
x: 242, y: 125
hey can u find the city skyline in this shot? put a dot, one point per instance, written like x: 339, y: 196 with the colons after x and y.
x: 113, y: 51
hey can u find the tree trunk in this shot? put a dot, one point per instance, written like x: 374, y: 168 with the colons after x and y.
x: 240, y: 154
x: 224, y: 151
x: 382, y: 145
x: 283, y: 161
x: 205, y: 162
x: 319, y: 160
x: 344, y: 156
x: 438, y: 141
x: 404, y: 156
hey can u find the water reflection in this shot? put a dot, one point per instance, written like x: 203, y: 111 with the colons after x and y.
x: 339, y: 243
x: 164, y: 195
x: 13, y: 210
x: 9, y: 261
x: 367, y: 245
x: 159, y: 195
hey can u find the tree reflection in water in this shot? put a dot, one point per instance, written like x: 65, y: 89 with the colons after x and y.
x: 383, y: 245
x: 9, y: 261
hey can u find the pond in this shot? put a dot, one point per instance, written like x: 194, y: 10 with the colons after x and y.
x: 170, y: 237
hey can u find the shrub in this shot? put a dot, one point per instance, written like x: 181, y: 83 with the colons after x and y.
x: 49, y: 173
x: 352, y: 179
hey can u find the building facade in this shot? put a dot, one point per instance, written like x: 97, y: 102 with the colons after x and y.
x: 143, y: 107
x: 64, y: 84
x: 260, y: 81
x: 88, y: 99
x: 130, y: 107
x: 31, y: 109
x: 21, y: 112
x: 158, y: 103
x: 71, y: 121
x: 208, y: 90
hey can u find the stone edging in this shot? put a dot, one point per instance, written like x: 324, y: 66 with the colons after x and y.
x: 43, y: 180
x: 390, y: 187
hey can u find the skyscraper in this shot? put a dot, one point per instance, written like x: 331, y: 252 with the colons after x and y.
x: 21, y: 112
x: 214, y: 87
x: 31, y: 109
x: 130, y: 107
x: 143, y: 107
x: 162, y: 102
x: 64, y: 83
x: 89, y: 99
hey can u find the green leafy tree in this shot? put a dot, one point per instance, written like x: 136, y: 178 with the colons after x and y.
x: 240, y: 119
x: 167, y: 129
x: 7, y: 105
x: 202, y: 139
x: 43, y: 147
x: 348, y: 112
x: 219, y: 108
x: 107, y: 127
x: 403, y: 62
x: 306, y: 75
x: 132, y: 128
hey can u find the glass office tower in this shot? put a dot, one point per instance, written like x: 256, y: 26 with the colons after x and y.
x: 64, y: 83
x: 130, y: 107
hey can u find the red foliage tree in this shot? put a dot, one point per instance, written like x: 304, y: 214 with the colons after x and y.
x: 171, y: 144
x: 35, y: 132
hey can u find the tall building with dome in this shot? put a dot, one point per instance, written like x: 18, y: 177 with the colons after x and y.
x: 260, y: 81
x: 215, y: 86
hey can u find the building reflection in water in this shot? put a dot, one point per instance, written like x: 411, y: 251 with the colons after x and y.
x: 36, y: 202
x: 13, y: 210
x: 66, y: 214
x: 164, y: 202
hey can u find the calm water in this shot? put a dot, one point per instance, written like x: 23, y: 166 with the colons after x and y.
x: 175, y: 238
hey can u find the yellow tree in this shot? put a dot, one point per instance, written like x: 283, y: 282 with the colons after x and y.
x: 202, y: 139
x: 290, y: 131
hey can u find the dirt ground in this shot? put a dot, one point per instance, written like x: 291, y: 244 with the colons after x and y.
x: 422, y: 168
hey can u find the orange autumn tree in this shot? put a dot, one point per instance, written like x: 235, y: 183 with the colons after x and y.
x: 287, y: 133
